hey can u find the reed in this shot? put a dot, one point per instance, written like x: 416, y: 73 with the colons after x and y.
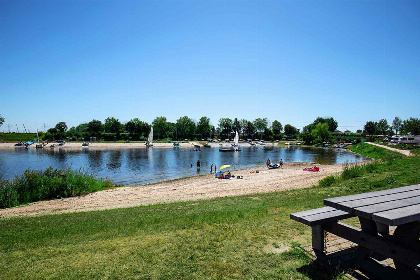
x: 49, y: 184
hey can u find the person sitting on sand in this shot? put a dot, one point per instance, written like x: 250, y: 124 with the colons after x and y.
x: 228, y: 175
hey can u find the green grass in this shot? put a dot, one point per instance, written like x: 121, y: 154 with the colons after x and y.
x: 226, y: 238
x: 16, y: 137
x: 49, y: 184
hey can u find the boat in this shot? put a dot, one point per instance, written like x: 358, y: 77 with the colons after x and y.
x: 176, y: 144
x: 19, y: 144
x: 38, y: 146
x: 85, y: 144
x: 273, y: 166
x: 149, y: 142
x: 235, y: 146
x: 207, y: 145
x: 62, y: 143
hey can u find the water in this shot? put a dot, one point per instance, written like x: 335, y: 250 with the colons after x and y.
x: 143, y: 166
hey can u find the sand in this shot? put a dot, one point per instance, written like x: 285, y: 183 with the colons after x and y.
x: 194, y: 188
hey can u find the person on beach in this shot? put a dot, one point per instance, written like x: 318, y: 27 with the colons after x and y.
x: 281, y: 163
x: 211, y: 168
x: 198, y: 164
x: 268, y: 162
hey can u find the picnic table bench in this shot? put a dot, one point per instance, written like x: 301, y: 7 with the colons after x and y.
x: 376, y: 211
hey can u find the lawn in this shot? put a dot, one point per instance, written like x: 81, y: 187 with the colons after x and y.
x: 247, y: 237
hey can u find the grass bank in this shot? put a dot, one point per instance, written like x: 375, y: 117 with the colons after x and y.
x: 50, y: 184
x: 230, y: 238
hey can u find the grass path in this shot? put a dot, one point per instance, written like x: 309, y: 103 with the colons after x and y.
x: 404, y: 152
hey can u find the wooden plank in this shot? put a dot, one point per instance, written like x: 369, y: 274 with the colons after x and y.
x: 350, y: 205
x: 368, y: 211
x: 323, y: 218
x: 398, y: 216
x: 333, y: 201
x: 312, y: 212
x: 319, y: 216
x: 375, y: 243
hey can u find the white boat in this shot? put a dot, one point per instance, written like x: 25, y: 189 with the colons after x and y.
x: 38, y: 146
x: 235, y: 146
x: 149, y: 142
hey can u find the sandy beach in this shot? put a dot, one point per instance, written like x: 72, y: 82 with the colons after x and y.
x: 291, y: 176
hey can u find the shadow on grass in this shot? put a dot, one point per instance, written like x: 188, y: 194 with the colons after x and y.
x: 318, y: 271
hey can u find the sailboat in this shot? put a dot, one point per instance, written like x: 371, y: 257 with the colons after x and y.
x: 38, y: 146
x: 234, y: 147
x: 149, y: 142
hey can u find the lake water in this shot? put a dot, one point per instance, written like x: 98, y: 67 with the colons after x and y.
x: 143, y: 166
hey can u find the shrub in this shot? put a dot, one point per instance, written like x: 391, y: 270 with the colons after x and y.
x: 327, y: 181
x: 52, y: 183
x: 352, y: 171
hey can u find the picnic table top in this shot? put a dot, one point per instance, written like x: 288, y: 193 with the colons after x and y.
x: 392, y: 207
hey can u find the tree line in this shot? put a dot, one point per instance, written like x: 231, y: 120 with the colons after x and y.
x: 319, y: 131
x: 398, y: 126
x: 184, y: 128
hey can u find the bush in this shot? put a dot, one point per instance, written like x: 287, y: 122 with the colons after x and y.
x: 327, y: 181
x: 352, y: 171
x: 52, y: 183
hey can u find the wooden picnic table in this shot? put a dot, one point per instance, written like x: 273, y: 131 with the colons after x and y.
x: 376, y: 211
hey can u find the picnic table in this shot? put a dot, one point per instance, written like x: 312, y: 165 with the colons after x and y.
x: 376, y: 211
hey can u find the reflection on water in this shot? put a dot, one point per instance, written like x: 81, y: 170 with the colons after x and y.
x: 142, y: 166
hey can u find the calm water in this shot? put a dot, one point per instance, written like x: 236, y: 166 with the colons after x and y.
x: 142, y: 166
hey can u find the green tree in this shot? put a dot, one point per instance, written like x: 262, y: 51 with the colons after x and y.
x: 250, y: 129
x: 332, y: 124
x: 290, y: 130
x: 260, y: 124
x: 82, y: 127
x: 321, y: 132
x: 370, y: 128
x: 236, y: 126
x: 61, y: 127
x: 52, y: 130
x: 95, y: 128
x: 307, y: 137
x: 186, y: 127
x: 1, y: 120
x: 225, y: 127
x: 112, y: 125
x: 160, y: 126
x: 204, y: 127
x: 397, y: 124
x: 243, y: 123
x: 137, y: 128
x: 382, y: 127
x: 276, y: 127
x: 411, y: 126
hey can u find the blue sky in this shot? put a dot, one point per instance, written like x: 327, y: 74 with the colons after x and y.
x: 293, y: 61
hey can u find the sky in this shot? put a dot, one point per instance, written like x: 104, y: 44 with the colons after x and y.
x: 291, y: 61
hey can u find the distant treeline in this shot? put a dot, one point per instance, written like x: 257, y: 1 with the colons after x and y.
x: 320, y: 130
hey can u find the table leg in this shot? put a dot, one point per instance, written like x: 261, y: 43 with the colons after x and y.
x: 368, y: 226
x: 408, y: 235
x: 318, y: 240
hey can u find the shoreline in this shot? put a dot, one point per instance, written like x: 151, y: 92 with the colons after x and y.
x: 97, y: 145
x: 192, y: 188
